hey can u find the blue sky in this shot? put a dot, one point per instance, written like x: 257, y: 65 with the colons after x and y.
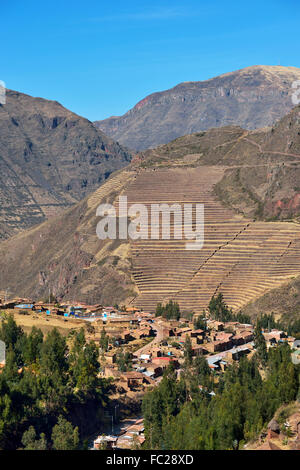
x: 99, y: 58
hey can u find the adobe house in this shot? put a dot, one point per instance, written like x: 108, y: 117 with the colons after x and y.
x: 216, y: 325
x: 238, y: 352
x: 9, y: 305
x: 156, y: 352
x: 164, y: 361
x: 199, y: 351
x: 143, y: 333
x: 111, y: 358
x: 183, y: 331
x: 168, y: 332
x: 154, y: 370
x: 199, y: 334
x: 219, y: 346
x: 198, y: 340
x: 145, y: 357
x: 111, y: 372
x: 133, y: 379
x: 126, y: 335
x: 242, y: 338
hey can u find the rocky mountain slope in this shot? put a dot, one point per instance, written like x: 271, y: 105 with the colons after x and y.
x: 50, y: 158
x: 252, y: 98
x: 250, y: 247
x: 65, y: 255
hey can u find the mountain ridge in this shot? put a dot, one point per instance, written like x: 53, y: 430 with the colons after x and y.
x: 50, y: 158
x: 253, y: 97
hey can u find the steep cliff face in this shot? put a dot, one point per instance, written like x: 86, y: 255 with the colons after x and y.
x: 252, y: 98
x: 50, y: 158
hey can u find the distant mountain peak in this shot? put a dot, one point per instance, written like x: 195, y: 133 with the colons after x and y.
x: 252, y: 97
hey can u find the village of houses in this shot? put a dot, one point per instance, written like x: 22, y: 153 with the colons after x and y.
x: 151, y: 343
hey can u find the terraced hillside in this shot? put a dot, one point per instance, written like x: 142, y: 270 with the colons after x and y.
x: 250, y: 248
x: 241, y: 257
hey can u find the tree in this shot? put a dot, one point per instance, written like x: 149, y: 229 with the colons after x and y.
x: 50, y: 298
x: 64, y: 436
x: 33, y: 346
x: 188, y: 351
x: 260, y: 345
x: 282, y: 373
x: 202, y: 371
x: 170, y: 311
x: 218, y: 309
x: 14, y: 337
x: 10, y: 332
x: 159, y: 310
x: 103, y: 343
x: 124, y: 361
x: 55, y: 379
x: 298, y: 392
x: 30, y: 441
x: 53, y: 371
x: 177, y: 415
x: 10, y: 371
x: 84, y: 365
x: 53, y: 353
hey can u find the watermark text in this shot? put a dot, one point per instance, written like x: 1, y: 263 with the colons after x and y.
x: 152, y: 221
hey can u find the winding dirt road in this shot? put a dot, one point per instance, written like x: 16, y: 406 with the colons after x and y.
x: 157, y: 339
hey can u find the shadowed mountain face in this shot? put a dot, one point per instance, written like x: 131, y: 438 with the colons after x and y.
x: 252, y: 98
x: 50, y: 158
x: 247, y: 181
